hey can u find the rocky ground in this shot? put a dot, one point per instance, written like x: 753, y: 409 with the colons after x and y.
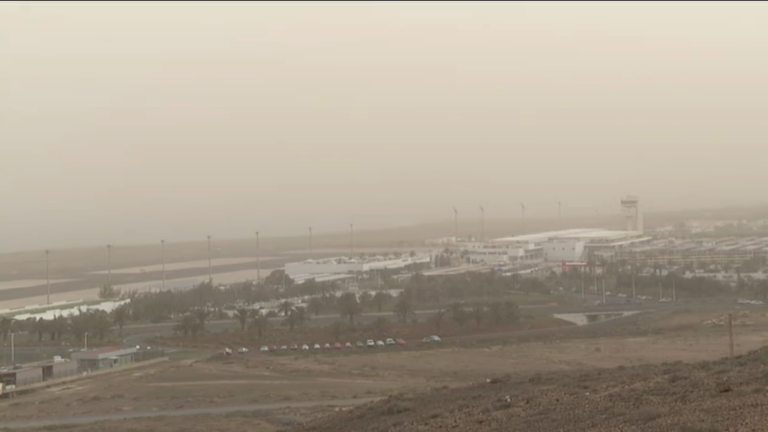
x: 720, y: 395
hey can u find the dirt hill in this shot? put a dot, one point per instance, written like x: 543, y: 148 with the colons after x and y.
x: 699, y: 397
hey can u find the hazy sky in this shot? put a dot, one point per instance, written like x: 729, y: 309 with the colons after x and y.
x: 137, y: 121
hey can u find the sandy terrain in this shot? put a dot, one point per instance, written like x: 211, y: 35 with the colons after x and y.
x: 185, y: 265
x: 269, y: 378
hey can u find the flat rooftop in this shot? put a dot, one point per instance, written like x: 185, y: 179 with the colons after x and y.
x: 572, y: 234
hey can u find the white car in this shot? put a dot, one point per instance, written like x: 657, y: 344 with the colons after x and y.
x: 284, y: 348
x: 227, y: 351
x: 242, y: 350
x: 390, y: 341
x: 264, y: 349
x: 347, y: 345
x: 380, y: 343
x: 370, y: 343
x: 305, y: 347
x: 327, y: 346
x: 431, y: 339
x: 316, y: 346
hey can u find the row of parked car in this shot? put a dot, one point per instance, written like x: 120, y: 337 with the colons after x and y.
x: 370, y: 343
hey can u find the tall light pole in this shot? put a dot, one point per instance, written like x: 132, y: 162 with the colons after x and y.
x: 674, y: 291
x: 13, y: 347
x: 48, y: 273
x: 522, y: 213
x: 310, y: 242
x: 455, y: 224
x: 86, y: 341
x: 162, y: 255
x: 351, y: 239
x: 210, y: 272
x: 559, y: 210
x: 482, y: 224
x: 109, y: 264
x: 258, y: 260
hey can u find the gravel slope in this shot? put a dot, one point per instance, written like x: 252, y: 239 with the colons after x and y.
x: 700, y: 397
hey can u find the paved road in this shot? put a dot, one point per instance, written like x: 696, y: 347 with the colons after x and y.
x: 83, y: 419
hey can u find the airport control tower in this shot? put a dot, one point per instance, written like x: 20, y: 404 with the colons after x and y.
x: 630, y: 206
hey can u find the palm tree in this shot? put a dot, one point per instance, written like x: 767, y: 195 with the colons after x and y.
x: 458, y: 314
x: 381, y: 298
x: 348, y: 306
x: 296, y: 318
x: 478, y: 314
x: 337, y: 329
x: 259, y: 323
x: 5, y: 327
x: 242, y: 316
x: 202, y: 316
x: 120, y: 317
x: 496, y: 311
x: 187, y: 325
x: 285, y: 307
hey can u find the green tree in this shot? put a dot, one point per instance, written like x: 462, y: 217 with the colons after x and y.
x: 337, y: 329
x: 478, y: 314
x: 259, y: 324
x: 349, y: 307
x: 100, y: 325
x: 285, y: 308
x: 511, y: 312
x: 437, y: 320
x: 6, y: 324
x: 381, y: 327
x: 459, y: 314
x: 120, y: 317
x: 403, y: 307
x: 380, y: 299
x: 202, y: 316
x: 296, y: 318
x: 187, y: 325
x: 108, y: 292
x: 315, y: 306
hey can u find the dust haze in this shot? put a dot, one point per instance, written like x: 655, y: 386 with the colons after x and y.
x: 135, y: 122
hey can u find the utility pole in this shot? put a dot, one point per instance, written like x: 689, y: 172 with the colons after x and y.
x: 86, y: 341
x: 455, y: 225
x: 109, y: 264
x: 351, y: 239
x: 522, y: 210
x: 310, y: 242
x: 634, y: 294
x: 582, y: 284
x: 603, y: 279
x: 13, y: 348
x: 162, y: 255
x: 559, y: 210
x: 730, y: 335
x: 674, y: 291
x: 661, y: 292
x: 210, y: 272
x: 48, y: 273
x: 258, y: 260
x: 482, y: 224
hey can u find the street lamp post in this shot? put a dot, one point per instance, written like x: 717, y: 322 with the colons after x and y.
x: 109, y: 265
x: 351, y: 239
x: 48, y: 274
x: 210, y: 272
x: 559, y: 210
x: 455, y: 224
x: 86, y: 341
x: 310, y: 242
x: 522, y: 212
x: 162, y: 254
x: 258, y: 260
x: 482, y: 224
x: 13, y: 348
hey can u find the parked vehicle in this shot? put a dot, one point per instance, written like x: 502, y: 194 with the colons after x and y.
x: 390, y: 341
x: 242, y: 350
x: 327, y: 346
x: 380, y: 343
x: 317, y: 346
x: 432, y: 339
x: 337, y: 345
x: 294, y: 347
x: 370, y: 343
x: 284, y: 348
x: 264, y: 349
x: 305, y: 347
x: 359, y: 344
x: 347, y: 345
x: 400, y: 342
x: 227, y: 351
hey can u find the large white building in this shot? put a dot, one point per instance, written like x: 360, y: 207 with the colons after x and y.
x: 343, y: 265
x: 499, y: 254
x: 576, y: 244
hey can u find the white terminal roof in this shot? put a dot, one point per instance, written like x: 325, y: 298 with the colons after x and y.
x: 572, y: 234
